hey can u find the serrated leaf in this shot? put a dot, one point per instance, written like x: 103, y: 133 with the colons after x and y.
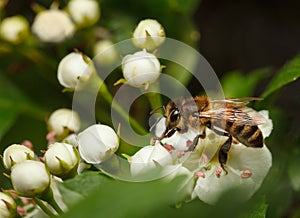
x: 235, y: 84
x: 288, y: 73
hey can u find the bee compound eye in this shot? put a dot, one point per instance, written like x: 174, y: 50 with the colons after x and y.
x: 175, y: 115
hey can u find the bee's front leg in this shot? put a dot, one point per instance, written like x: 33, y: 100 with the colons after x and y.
x: 194, y: 143
x: 223, y: 153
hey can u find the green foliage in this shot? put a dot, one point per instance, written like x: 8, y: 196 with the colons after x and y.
x: 235, y: 84
x: 111, y: 198
x: 289, y: 73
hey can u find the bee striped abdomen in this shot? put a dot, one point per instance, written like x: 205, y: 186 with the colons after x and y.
x: 249, y: 135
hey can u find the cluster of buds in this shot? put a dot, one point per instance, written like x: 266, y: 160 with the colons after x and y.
x: 52, y: 25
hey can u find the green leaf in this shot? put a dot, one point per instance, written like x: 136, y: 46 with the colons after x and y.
x: 12, y: 103
x: 235, y: 84
x: 7, y: 118
x: 112, y: 198
x: 76, y: 189
x: 258, y: 210
x: 293, y: 171
x: 288, y: 73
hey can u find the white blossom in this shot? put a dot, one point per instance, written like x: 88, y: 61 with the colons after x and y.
x: 97, y: 143
x: 62, y: 159
x: 149, y: 160
x: 7, y: 206
x: 30, y: 178
x: 84, y: 12
x: 14, y: 29
x: 16, y: 153
x: 148, y: 34
x: 63, y: 121
x: 140, y: 69
x: 53, y: 26
x: 247, y: 166
x: 75, y: 70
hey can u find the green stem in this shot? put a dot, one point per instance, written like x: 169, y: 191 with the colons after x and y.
x: 41, y: 204
x: 154, y: 97
x: 49, y: 198
x: 107, y: 96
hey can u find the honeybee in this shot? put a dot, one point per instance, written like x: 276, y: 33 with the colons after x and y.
x: 225, y: 117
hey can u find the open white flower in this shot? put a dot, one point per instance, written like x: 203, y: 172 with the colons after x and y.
x: 84, y: 12
x: 30, y: 178
x: 8, y: 207
x: 63, y: 121
x: 75, y: 70
x: 97, y: 143
x: 247, y: 167
x: 149, y: 161
x: 14, y: 29
x: 15, y: 154
x: 53, y: 26
x: 148, y: 34
x: 62, y: 159
x: 140, y: 69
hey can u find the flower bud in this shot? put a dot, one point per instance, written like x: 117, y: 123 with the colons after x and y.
x: 15, y: 154
x: 84, y: 12
x: 97, y: 143
x: 62, y: 159
x: 14, y: 29
x: 105, y: 53
x: 140, y: 69
x: 148, y: 34
x: 30, y: 178
x: 149, y: 159
x: 53, y: 26
x: 75, y: 70
x: 63, y: 122
x: 8, y: 207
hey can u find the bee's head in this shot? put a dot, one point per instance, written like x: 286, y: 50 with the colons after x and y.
x: 173, y: 120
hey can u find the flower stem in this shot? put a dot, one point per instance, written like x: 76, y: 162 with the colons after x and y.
x: 107, y: 96
x: 41, y: 204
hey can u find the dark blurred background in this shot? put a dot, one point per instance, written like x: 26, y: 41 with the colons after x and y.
x: 248, y: 34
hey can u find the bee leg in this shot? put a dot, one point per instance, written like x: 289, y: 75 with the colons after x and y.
x: 194, y: 143
x: 223, y: 153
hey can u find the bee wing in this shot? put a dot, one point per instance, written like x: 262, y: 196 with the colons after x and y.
x: 236, y: 101
x: 234, y: 110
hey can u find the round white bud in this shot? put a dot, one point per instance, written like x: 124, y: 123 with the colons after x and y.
x: 148, y: 34
x: 62, y: 159
x: 30, y: 178
x: 53, y: 26
x: 15, y: 154
x: 140, y: 69
x: 105, y: 53
x: 14, y: 29
x: 84, y: 12
x: 63, y: 122
x: 75, y: 70
x: 8, y: 207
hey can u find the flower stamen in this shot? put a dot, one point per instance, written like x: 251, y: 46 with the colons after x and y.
x: 218, y: 172
x: 246, y: 174
x: 200, y: 174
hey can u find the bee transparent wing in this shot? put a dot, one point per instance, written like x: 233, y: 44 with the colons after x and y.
x: 234, y: 110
